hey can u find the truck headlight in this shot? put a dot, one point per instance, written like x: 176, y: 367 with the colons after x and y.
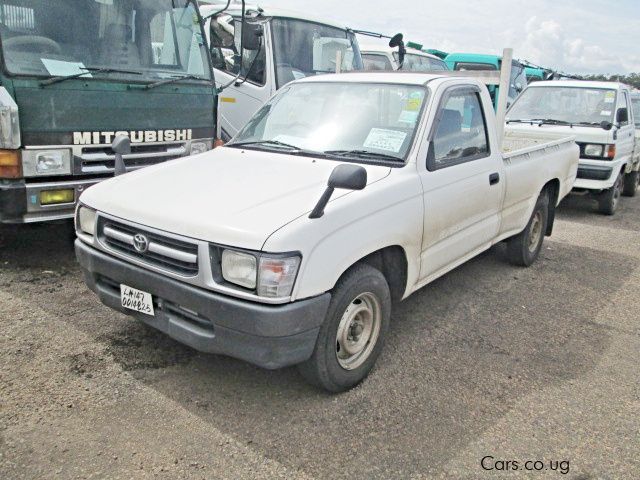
x: 46, y: 162
x: 86, y: 220
x: 239, y: 268
x: 200, y: 147
x: 9, y: 122
x: 271, y: 276
x: 591, y: 150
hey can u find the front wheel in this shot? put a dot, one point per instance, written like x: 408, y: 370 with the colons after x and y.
x: 631, y: 182
x: 351, y: 337
x: 609, y: 199
x: 524, y: 248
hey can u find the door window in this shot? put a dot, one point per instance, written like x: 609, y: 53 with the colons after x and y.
x: 460, y: 132
x: 625, y: 104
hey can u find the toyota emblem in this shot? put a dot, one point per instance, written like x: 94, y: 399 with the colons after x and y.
x: 140, y: 243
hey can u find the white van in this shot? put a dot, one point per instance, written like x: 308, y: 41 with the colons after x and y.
x: 600, y: 116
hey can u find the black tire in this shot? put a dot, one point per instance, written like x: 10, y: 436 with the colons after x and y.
x: 324, y: 368
x: 610, y: 199
x: 631, y: 181
x: 524, y: 248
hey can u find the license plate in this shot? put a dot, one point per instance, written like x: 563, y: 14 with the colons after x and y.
x: 136, y: 300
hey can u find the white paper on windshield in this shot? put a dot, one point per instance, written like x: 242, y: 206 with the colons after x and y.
x: 605, y: 113
x: 383, y: 139
x: 609, y: 97
x: 60, y: 68
x: 407, y: 116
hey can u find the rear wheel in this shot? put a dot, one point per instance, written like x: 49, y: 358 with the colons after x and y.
x: 352, y: 335
x: 609, y: 199
x: 631, y: 182
x: 524, y: 248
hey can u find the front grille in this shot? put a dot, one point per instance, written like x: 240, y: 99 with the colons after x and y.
x: 101, y: 159
x: 594, y: 173
x: 161, y: 251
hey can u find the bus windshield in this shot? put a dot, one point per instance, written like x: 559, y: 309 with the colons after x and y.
x: 130, y: 39
x: 303, y: 48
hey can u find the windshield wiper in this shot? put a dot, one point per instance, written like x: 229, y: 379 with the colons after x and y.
x: 174, y: 80
x: 265, y: 142
x: 59, y: 79
x: 363, y: 153
x: 551, y: 121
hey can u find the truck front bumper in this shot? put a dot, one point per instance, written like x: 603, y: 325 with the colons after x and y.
x: 270, y: 336
x: 596, y: 174
x: 20, y: 200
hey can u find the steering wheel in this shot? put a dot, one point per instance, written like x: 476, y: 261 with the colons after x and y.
x: 33, y: 44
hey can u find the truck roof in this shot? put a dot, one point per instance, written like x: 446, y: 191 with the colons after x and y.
x: 579, y: 84
x: 236, y: 10
x: 398, y: 77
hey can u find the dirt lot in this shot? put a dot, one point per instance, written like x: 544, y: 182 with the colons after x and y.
x: 536, y: 364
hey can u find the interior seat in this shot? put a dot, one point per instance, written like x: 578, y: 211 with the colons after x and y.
x: 118, y: 50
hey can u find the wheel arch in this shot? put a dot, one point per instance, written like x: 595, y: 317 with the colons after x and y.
x: 552, y: 187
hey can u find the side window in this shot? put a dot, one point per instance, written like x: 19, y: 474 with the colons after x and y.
x: 373, y: 61
x: 461, y: 131
x: 227, y: 58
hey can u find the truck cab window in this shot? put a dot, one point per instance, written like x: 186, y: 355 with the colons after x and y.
x: 374, y: 61
x: 461, y: 132
x: 226, y: 58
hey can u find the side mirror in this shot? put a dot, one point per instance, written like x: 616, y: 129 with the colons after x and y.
x: 398, y: 41
x: 606, y: 125
x: 252, y: 36
x: 121, y: 146
x: 622, y: 115
x: 345, y: 177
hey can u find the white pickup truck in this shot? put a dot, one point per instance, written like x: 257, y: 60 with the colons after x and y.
x: 342, y: 195
x: 600, y: 116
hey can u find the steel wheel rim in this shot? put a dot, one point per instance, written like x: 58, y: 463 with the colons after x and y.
x: 536, y: 231
x: 358, y: 331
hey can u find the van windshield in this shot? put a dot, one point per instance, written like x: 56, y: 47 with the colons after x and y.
x: 151, y: 39
x: 571, y: 105
x: 420, y: 63
x: 352, y: 120
x: 303, y: 49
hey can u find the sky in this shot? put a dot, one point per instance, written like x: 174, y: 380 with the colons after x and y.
x: 573, y: 36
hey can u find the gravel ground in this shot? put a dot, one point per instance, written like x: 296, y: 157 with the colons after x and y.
x: 489, y: 361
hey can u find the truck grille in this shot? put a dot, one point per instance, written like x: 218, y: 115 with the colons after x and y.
x: 164, y: 252
x: 101, y: 159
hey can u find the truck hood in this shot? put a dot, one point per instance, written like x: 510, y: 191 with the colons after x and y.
x: 582, y: 134
x: 228, y: 196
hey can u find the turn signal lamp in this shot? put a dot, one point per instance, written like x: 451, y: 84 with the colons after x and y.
x: 611, y: 152
x: 10, y: 165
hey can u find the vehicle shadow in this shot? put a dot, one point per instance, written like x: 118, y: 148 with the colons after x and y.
x: 584, y: 209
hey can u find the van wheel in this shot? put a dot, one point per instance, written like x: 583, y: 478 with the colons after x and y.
x: 631, y: 181
x: 352, y: 335
x: 524, y: 248
x: 609, y: 199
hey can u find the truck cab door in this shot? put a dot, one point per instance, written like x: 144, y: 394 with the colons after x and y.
x: 463, y: 183
x: 256, y: 83
x: 626, y: 130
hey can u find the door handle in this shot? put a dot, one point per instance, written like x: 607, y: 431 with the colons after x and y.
x: 494, y: 179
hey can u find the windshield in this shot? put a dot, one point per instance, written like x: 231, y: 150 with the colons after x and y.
x: 565, y: 104
x: 635, y: 104
x: 304, y: 48
x: 358, y: 120
x: 420, y: 63
x: 148, y: 39
x: 374, y: 61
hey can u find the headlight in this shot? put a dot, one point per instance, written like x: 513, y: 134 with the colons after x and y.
x: 200, y: 147
x: 239, y: 268
x: 46, y: 162
x: 9, y: 121
x: 594, y: 150
x: 269, y: 276
x: 86, y: 220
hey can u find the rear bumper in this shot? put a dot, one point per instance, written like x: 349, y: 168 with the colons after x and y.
x: 20, y: 201
x: 270, y: 336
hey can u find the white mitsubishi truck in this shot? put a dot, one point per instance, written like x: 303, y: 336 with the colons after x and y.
x: 343, y: 195
x: 600, y: 116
